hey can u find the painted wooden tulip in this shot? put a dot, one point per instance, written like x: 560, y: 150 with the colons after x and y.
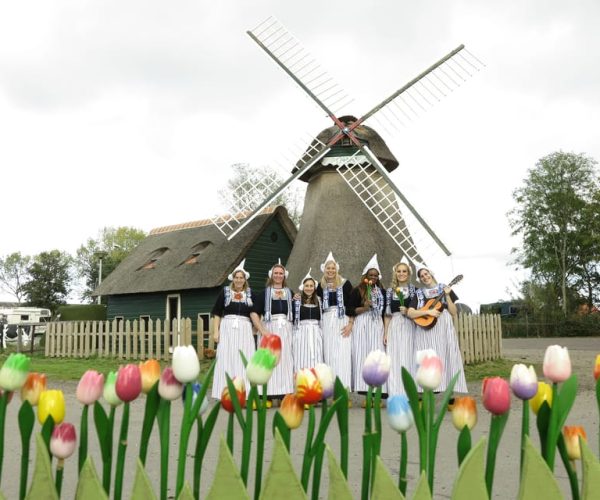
x: 326, y: 378
x: 292, y: 411
x: 572, y: 433
x: 523, y: 381
x: 150, y: 371
x: 399, y: 413
x: 429, y: 371
x: 169, y: 388
x: 544, y: 393
x: 308, y: 388
x: 597, y: 367
x: 196, y: 386
x: 376, y: 368
x: 240, y: 390
x: 10, y: 395
x: 186, y: 365
x: 90, y: 387
x: 260, y: 367
x: 63, y: 441
x: 13, y: 373
x: 51, y: 402
x: 496, y: 395
x: 464, y: 413
x: 129, y: 383
x: 33, y: 387
x: 272, y: 342
x: 557, y: 363
x: 109, y: 393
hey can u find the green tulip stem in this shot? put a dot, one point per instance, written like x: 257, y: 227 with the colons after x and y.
x: 376, y: 443
x: 46, y: 433
x: 402, y: 480
x: 464, y: 444
x: 247, y: 434
x: 230, y: 421
x: 570, y: 467
x: 261, y: 403
x: 164, y: 425
x: 316, y: 483
x: 187, y: 422
x: 342, y: 418
x: 366, y: 471
x: 369, y: 405
x: 431, y: 437
x: 83, y: 437
x: 59, y: 475
x: 26, y: 421
x: 107, y: 451
x: 553, y: 430
x: 121, y: 452
x: 150, y: 409
x: 307, y: 460
x: 3, y: 404
x: 597, y: 401
x: 497, y: 424
x: 524, y: 432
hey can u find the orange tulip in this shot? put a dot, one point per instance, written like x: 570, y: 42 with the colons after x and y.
x: 150, y: 371
x: 572, y: 435
x: 464, y: 413
x: 597, y: 367
x: 292, y: 411
x: 308, y: 388
x: 32, y: 388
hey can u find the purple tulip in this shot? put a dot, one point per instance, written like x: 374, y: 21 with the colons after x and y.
x: 376, y: 369
x: 523, y: 381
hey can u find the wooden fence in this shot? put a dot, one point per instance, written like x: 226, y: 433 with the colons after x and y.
x: 480, y: 338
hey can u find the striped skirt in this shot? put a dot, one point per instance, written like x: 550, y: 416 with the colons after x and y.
x: 308, y: 344
x: 337, y: 350
x: 235, y: 335
x: 282, y: 379
x: 443, y: 340
x: 401, y: 332
x: 367, y: 336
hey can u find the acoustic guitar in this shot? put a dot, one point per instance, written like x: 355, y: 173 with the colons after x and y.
x: 428, y: 322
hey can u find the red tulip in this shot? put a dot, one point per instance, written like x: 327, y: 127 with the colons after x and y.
x: 63, y: 440
x: 308, y: 388
x: 129, y: 383
x: 597, y: 367
x: 240, y: 390
x: 496, y: 395
x: 272, y: 342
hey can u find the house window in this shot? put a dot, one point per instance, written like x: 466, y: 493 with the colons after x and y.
x: 197, y: 249
x: 203, y: 328
x: 154, y: 256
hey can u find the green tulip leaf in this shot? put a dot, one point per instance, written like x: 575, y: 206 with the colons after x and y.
x: 281, y: 480
x: 422, y: 491
x: 150, y: 411
x: 2, y: 497
x: 142, y: 489
x: 537, y: 479
x: 42, y: 483
x: 89, y: 486
x: 384, y: 487
x: 237, y: 407
x: 470, y: 481
x: 101, y: 423
x: 284, y: 430
x: 591, y: 473
x: 338, y: 486
x: 186, y: 493
x: 413, y: 399
x: 227, y: 482
x: 542, y: 422
x: 566, y: 398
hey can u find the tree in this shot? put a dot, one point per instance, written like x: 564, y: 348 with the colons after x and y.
x: 49, y: 280
x: 553, y: 217
x: 113, y: 245
x: 250, y: 186
x: 13, y: 274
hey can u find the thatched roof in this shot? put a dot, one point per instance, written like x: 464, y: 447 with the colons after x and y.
x: 172, y: 246
x: 365, y: 135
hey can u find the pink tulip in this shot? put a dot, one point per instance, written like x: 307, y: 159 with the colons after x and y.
x: 90, y: 387
x: 557, y: 364
x: 63, y: 440
x: 429, y: 372
x: 496, y: 395
x: 129, y: 383
x: 169, y: 387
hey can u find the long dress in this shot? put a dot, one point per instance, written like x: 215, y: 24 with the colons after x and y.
x: 367, y: 334
x: 400, y: 337
x: 441, y: 338
x: 337, y: 349
x: 275, y: 306
x: 235, y: 335
x: 308, y: 336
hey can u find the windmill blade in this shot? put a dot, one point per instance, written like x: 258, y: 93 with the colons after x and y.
x: 426, y: 89
x: 300, y: 65
x: 369, y: 180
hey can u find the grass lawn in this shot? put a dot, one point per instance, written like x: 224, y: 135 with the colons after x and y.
x: 497, y: 368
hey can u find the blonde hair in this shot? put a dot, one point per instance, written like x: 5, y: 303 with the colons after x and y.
x: 395, y: 283
x: 338, y: 279
x: 270, y: 280
x: 245, y: 287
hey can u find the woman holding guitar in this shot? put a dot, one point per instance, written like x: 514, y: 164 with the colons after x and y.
x: 441, y: 336
x: 399, y: 329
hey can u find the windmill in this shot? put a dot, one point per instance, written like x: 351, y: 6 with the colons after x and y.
x: 350, y: 196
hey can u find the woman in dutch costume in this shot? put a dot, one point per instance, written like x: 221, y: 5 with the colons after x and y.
x: 334, y: 292
x: 399, y: 329
x: 233, y: 329
x: 367, y: 305
x: 442, y: 336
x: 275, y: 307
x: 308, y: 337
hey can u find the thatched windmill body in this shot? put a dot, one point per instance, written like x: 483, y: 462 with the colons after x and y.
x: 352, y: 207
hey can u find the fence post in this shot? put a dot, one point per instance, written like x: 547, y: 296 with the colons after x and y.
x: 135, y: 339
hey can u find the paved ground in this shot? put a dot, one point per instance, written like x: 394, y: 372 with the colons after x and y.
x: 583, y: 352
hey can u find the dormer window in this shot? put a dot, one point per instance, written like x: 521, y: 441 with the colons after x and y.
x: 154, y: 256
x: 197, y: 249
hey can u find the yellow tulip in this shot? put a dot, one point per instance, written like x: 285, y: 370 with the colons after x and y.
x: 572, y: 433
x: 544, y: 393
x: 51, y: 402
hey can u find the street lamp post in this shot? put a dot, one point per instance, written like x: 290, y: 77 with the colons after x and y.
x: 101, y: 256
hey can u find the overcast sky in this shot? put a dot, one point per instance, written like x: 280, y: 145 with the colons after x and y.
x: 129, y: 113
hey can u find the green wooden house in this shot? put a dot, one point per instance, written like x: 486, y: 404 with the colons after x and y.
x: 177, y: 271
